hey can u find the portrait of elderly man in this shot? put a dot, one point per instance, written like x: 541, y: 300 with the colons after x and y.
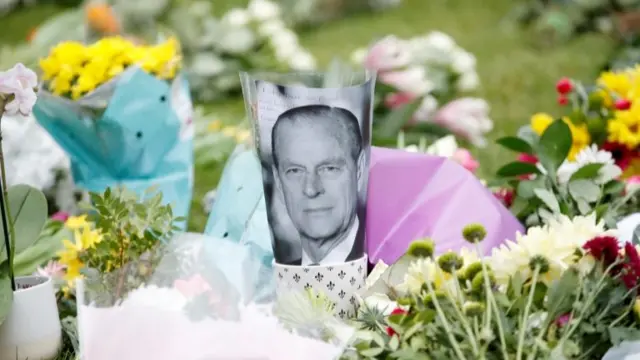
x: 318, y: 164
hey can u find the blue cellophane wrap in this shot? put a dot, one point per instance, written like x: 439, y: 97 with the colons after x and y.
x: 239, y: 219
x: 135, y: 131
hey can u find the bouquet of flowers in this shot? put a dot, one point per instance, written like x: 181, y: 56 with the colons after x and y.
x: 564, y: 290
x: 420, y: 81
x: 139, y: 286
x: 91, y: 104
x: 588, y: 160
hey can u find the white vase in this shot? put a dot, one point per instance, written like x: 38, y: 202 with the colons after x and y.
x: 32, y: 329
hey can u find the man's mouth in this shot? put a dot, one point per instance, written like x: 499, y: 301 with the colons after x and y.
x: 319, y: 210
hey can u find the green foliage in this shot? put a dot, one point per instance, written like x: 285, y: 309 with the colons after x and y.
x: 578, y: 314
x: 540, y: 190
x: 130, y: 229
x: 28, y: 210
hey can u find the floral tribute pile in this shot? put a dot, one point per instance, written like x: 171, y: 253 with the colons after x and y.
x: 73, y: 69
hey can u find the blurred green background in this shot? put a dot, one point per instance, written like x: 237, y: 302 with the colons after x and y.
x: 517, y: 79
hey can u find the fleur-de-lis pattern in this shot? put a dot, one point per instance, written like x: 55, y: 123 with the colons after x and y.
x: 338, y: 282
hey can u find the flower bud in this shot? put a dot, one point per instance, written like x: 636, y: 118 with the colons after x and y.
x: 474, y: 233
x: 472, y: 269
x: 539, y: 262
x: 438, y: 295
x: 422, y: 248
x: 473, y: 308
x: 478, y: 285
x: 636, y: 309
x: 450, y: 262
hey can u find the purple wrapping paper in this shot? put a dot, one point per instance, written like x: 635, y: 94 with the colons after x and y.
x: 413, y: 195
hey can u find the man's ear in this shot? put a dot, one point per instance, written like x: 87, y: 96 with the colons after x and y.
x: 361, y: 169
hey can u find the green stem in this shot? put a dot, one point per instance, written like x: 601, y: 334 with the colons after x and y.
x: 5, y: 192
x: 525, y: 315
x: 492, y: 303
x: 445, y: 323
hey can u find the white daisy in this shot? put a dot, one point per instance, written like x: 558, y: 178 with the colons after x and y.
x: 591, y: 155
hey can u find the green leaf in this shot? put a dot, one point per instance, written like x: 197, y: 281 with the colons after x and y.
x: 517, y: 168
x: 515, y: 144
x: 560, y: 296
x: 549, y: 199
x: 635, y: 238
x: 393, y: 123
x: 28, y: 207
x: 44, y: 250
x: 589, y: 171
x: 6, y: 293
x: 371, y: 352
x: 526, y: 188
x: 586, y: 190
x: 554, y: 146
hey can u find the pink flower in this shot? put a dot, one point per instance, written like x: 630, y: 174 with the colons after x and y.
x: 411, y: 80
x: 396, y: 100
x: 466, y: 117
x: 60, y: 216
x: 20, y: 82
x: 193, y: 286
x: 634, y: 180
x: 388, y: 54
x: 464, y: 158
x: 53, y: 270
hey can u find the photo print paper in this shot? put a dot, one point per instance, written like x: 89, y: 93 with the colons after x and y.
x: 314, y: 146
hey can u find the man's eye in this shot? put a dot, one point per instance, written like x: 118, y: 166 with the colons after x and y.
x: 293, y: 171
x: 330, y: 169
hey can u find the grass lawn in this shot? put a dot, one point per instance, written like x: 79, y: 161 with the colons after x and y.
x: 517, y: 80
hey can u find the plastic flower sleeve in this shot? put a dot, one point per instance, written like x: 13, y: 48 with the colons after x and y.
x: 120, y: 135
x: 184, y: 306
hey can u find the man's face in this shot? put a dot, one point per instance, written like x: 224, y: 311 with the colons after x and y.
x: 319, y: 179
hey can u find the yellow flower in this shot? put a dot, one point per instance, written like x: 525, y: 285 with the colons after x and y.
x: 540, y: 122
x: 76, y: 222
x: 69, y: 257
x: 614, y: 83
x: 579, y: 133
x: 87, y: 237
x: 60, y: 86
x: 624, y: 128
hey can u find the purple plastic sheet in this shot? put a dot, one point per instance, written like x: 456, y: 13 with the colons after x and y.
x: 413, y: 195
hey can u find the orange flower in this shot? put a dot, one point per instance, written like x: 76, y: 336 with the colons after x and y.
x: 102, y: 18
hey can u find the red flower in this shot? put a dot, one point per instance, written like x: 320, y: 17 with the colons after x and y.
x: 622, y: 104
x: 505, y: 196
x: 630, y: 272
x: 622, y: 154
x: 563, y: 100
x: 396, y: 311
x: 603, y: 248
x: 563, y: 320
x: 527, y: 158
x: 564, y: 86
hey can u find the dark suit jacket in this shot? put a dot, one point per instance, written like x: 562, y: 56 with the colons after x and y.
x: 357, y: 250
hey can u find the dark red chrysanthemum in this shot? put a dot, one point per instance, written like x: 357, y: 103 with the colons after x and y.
x: 630, y: 270
x: 604, y: 248
x: 621, y: 154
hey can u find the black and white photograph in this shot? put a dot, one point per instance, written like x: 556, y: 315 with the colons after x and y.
x: 314, y: 147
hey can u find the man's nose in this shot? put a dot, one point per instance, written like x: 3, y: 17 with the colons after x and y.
x: 313, y: 185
